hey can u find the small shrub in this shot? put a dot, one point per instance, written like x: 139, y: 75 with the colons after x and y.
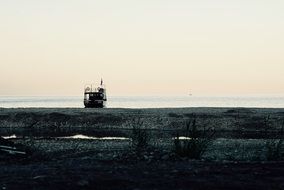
x: 274, y: 147
x: 30, y: 130
x: 139, y: 137
x: 196, y: 141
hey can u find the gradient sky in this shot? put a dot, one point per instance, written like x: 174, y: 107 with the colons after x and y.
x: 142, y: 47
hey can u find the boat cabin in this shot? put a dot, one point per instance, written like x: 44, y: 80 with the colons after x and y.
x: 95, y: 96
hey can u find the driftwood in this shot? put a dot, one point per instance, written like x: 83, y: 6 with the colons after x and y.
x: 9, y: 149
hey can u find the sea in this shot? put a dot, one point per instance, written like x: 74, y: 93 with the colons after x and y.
x: 144, y: 101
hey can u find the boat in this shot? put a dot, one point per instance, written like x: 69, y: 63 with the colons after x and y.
x: 95, y: 96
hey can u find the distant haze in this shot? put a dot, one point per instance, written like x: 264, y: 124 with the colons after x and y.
x: 145, y: 47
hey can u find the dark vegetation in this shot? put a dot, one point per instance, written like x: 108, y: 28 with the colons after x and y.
x: 140, y: 137
x: 231, y: 149
x: 148, y: 132
x: 196, y: 141
x: 275, y: 146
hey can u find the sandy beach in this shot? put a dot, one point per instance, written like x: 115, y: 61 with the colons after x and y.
x: 75, y: 148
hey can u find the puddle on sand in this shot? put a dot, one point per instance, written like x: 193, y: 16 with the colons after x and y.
x: 182, y: 138
x: 79, y: 136
x: 10, y: 137
x: 93, y: 138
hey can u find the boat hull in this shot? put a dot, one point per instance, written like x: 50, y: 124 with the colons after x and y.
x: 95, y: 104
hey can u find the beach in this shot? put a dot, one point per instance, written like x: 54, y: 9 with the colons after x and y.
x: 73, y: 148
x: 48, y: 122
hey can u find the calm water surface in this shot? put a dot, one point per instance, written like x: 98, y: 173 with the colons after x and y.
x: 145, y: 102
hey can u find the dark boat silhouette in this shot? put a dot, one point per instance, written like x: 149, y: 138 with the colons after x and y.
x: 95, y: 96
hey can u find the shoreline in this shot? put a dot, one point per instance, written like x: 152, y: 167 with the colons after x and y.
x: 198, y: 109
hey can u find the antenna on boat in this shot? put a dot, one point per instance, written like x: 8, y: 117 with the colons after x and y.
x: 101, y: 81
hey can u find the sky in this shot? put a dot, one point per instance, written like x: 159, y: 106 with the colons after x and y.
x: 142, y: 47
